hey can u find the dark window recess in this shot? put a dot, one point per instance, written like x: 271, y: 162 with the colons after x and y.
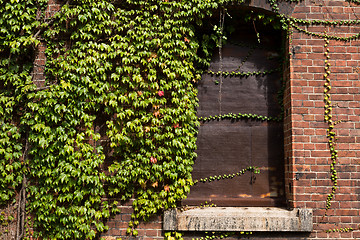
x: 226, y: 146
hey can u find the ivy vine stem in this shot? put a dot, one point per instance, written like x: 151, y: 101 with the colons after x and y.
x: 252, y: 169
x: 221, y: 33
x: 233, y: 116
x: 345, y: 229
x: 208, y: 235
x: 325, y: 36
x: 242, y: 74
x: 328, y: 117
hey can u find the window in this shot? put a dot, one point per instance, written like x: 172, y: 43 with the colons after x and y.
x: 228, y: 145
x: 251, y: 202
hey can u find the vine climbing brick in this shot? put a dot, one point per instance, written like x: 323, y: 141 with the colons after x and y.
x: 310, y: 179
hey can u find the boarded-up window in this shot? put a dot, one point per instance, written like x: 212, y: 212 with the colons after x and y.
x: 225, y: 146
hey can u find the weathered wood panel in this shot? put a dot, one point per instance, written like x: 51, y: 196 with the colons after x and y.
x: 226, y: 146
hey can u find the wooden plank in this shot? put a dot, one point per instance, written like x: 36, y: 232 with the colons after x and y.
x: 226, y: 146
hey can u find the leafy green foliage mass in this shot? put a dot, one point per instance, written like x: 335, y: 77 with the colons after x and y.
x: 18, y: 22
x: 116, y: 118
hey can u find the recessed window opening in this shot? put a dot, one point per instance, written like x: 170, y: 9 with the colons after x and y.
x: 240, y: 103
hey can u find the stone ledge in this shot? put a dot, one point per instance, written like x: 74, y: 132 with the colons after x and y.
x: 253, y: 219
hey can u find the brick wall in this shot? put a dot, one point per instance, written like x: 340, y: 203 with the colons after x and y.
x: 307, y: 153
x: 309, y: 157
x: 146, y: 230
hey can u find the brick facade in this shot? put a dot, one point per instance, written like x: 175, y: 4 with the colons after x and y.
x: 307, y: 154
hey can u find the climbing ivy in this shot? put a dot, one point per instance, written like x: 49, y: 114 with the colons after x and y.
x: 233, y: 116
x: 329, y: 120
x: 242, y: 74
x: 255, y: 170
x: 208, y: 235
x: 116, y: 118
x: 328, y: 107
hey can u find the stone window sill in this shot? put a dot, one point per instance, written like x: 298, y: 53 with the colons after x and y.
x: 255, y: 219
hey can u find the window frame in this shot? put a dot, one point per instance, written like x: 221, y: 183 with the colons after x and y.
x: 179, y: 219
